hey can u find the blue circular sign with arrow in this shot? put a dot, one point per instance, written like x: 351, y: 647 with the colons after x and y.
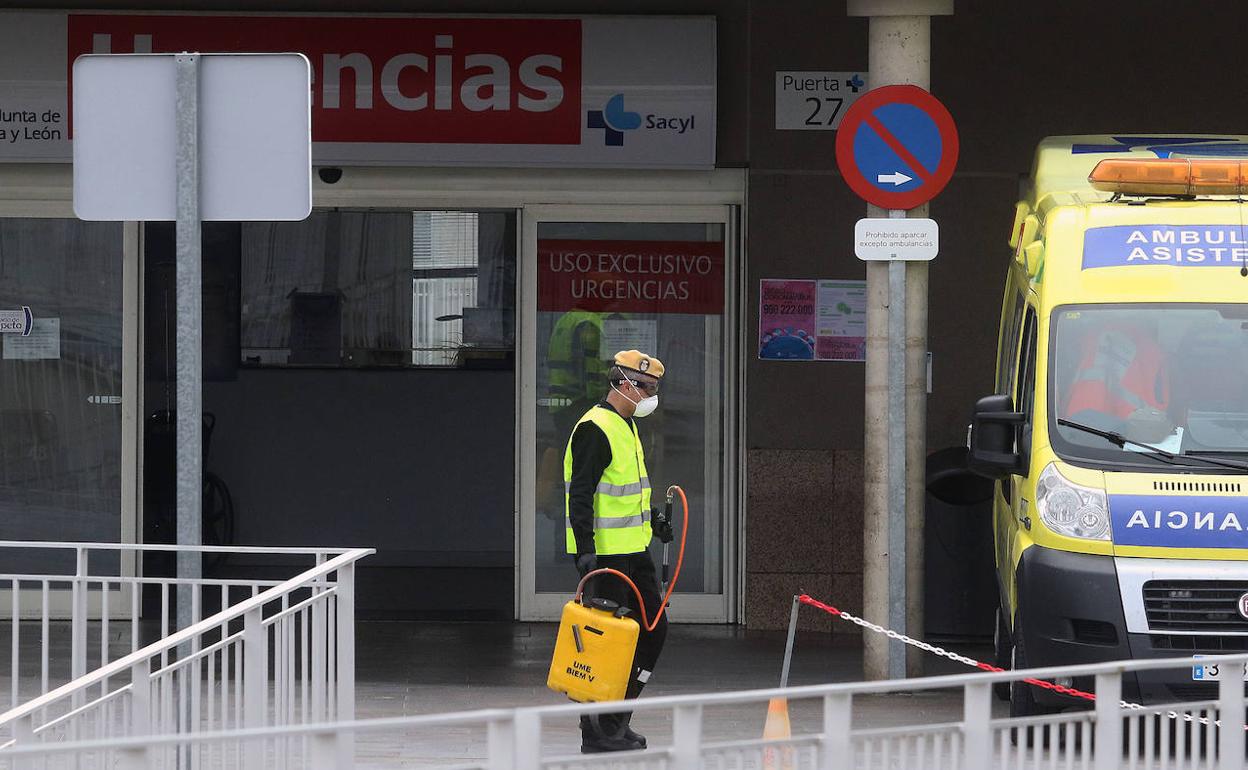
x: 897, y: 147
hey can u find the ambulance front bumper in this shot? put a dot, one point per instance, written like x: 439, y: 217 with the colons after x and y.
x: 1081, y: 608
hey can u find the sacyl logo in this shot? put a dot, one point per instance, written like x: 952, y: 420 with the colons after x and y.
x: 614, y: 120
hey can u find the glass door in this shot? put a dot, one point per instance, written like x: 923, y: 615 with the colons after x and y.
x: 603, y: 279
x: 66, y: 410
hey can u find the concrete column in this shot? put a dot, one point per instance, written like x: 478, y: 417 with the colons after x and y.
x: 898, y: 53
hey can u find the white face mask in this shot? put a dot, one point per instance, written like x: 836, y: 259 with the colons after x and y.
x: 645, y: 407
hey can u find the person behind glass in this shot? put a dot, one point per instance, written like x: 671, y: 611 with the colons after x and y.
x: 1122, y: 382
x: 610, y: 523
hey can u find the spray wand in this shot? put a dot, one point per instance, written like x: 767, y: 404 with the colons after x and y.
x: 666, y: 518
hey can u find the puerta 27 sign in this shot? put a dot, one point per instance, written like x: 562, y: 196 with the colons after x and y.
x: 498, y: 91
x: 630, y: 276
x: 897, y: 147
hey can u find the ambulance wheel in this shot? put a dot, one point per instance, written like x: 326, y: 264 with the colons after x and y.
x: 1022, y: 695
x: 1003, y: 649
x: 1023, y: 700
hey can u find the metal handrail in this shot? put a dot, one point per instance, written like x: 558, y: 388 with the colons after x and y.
x: 130, y: 580
x: 230, y: 549
x: 945, y: 681
x: 170, y: 643
x: 67, y: 717
x: 486, y: 717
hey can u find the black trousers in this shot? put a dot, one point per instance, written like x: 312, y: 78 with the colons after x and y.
x: 640, y: 569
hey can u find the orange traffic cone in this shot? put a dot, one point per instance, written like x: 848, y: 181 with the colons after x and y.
x: 777, y: 728
x: 777, y: 725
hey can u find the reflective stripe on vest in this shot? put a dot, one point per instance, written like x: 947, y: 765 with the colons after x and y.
x: 622, y: 497
x: 619, y: 522
x: 615, y: 490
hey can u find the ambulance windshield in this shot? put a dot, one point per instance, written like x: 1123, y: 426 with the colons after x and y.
x: 1171, y: 376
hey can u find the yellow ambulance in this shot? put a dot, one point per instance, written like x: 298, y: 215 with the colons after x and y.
x: 1118, y: 431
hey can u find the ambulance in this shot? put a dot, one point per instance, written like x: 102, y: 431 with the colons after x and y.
x: 1118, y: 430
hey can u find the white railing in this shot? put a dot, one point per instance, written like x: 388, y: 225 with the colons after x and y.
x: 719, y: 731
x: 276, y: 653
x: 74, y: 608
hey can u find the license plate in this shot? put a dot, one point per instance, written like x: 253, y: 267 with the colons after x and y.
x: 1214, y: 672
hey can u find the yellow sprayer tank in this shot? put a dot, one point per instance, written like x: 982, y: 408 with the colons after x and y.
x: 593, y: 653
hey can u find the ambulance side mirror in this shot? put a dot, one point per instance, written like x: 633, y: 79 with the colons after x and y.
x: 992, y: 440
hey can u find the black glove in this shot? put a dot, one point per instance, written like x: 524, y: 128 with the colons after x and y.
x: 586, y: 563
x: 661, y: 526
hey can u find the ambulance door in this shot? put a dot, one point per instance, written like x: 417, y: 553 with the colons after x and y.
x: 1007, y: 378
x: 1020, y: 511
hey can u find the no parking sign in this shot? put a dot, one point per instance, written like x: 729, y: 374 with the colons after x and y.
x: 897, y: 147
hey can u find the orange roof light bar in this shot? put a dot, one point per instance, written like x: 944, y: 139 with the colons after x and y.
x: 1171, y: 176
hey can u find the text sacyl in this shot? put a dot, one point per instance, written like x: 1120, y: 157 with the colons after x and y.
x: 663, y: 123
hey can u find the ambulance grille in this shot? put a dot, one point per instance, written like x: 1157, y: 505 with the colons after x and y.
x: 1195, y: 486
x: 1195, y: 605
x: 1200, y: 645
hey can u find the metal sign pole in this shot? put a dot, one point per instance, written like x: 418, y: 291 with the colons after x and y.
x: 894, y: 409
x: 190, y: 331
x: 896, y: 472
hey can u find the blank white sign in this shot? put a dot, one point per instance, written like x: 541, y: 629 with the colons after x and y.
x: 255, y: 137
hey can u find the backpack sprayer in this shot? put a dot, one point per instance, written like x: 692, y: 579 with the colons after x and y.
x: 594, y: 650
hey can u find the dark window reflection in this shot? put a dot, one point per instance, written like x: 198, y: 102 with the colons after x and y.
x: 60, y: 387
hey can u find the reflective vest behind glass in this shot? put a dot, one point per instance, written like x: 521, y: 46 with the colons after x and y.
x: 622, y: 499
x: 1121, y: 370
x: 576, y: 375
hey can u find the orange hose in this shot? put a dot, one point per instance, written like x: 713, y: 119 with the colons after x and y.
x: 671, y: 586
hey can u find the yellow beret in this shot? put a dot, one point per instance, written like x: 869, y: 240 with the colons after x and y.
x: 639, y: 362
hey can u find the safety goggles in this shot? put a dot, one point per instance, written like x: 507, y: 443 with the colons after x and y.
x: 649, y: 388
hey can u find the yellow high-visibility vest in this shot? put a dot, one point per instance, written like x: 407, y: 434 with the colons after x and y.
x: 622, y: 499
x: 575, y: 375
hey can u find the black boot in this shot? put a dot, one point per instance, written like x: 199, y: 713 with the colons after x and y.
x: 604, y: 733
x: 635, y: 686
x: 632, y: 734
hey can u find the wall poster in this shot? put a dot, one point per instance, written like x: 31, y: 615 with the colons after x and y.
x: 812, y: 320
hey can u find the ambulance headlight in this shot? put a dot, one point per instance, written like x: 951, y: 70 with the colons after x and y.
x: 1069, y: 509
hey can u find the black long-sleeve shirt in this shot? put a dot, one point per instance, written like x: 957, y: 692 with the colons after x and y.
x: 591, y: 454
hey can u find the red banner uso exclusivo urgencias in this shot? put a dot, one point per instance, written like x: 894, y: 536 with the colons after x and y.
x: 631, y: 276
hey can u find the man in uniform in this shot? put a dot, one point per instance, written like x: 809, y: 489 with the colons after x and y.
x: 577, y: 369
x: 610, y: 522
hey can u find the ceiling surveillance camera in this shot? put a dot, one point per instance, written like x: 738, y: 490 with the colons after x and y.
x: 330, y: 175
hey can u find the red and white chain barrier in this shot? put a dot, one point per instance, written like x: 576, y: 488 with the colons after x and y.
x: 942, y: 652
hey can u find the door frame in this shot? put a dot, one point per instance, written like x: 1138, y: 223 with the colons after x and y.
x: 45, y: 191
x: 694, y: 608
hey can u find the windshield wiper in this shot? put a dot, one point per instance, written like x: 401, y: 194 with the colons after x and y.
x: 1119, y: 440
x: 1214, y: 452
